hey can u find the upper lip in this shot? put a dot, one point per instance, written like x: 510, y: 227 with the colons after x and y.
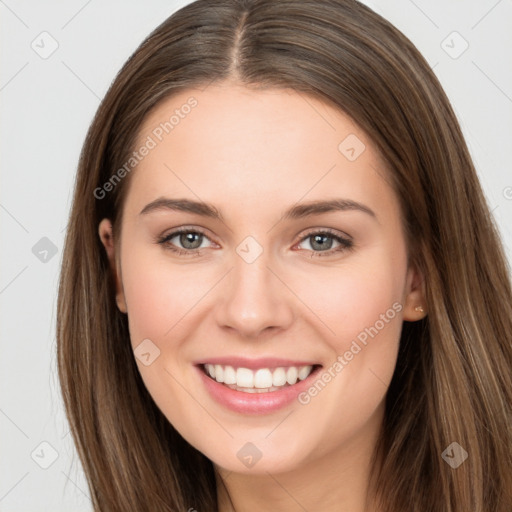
x: 263, y: 362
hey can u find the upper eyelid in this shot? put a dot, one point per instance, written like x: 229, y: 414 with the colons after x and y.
x: 330, y: 231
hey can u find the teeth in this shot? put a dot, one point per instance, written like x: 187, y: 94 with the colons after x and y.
x: 219, y: 373
x: 304, y: 371
x: 279, y: 377
x: 291, y: 375
x: 244, y: 378
x: 263, y: 378
x: 257, y: 381
x: 229, y: 375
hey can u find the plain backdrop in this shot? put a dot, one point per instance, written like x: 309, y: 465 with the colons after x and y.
x: 57, y: 61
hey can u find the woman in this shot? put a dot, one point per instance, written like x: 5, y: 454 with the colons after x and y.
x: 282, y: 287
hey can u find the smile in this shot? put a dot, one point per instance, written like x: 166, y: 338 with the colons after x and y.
x: 261, y: 380
x: 255, y: 385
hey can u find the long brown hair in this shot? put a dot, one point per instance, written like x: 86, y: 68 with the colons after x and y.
x: 453, y: 379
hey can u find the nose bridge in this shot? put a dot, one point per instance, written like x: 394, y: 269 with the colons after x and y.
x: 253, y: 298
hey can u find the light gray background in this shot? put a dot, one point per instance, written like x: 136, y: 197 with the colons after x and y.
x: 47, y: 105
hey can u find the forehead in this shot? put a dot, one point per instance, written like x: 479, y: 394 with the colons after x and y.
x: 245, y: 118
x: 231, y: 143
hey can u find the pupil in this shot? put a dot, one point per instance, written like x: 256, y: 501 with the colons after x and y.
x: 187, y: 240
x: 320, y: 240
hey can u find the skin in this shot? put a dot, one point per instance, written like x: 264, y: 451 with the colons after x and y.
x: 253, y: 154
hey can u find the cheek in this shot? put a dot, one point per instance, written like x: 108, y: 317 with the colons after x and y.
x: 360, y: 306
x: 351, y: 299
x: 364, y: 311
x: 159, y: 295
x: 161, y: 299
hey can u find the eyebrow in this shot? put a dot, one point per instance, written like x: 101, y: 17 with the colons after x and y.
x: 298, y: 211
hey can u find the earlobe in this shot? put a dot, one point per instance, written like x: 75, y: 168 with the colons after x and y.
x: 107, y: 239
x: 415, y: 304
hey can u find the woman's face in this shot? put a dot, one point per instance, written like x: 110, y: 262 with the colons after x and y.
x: 292, y: 260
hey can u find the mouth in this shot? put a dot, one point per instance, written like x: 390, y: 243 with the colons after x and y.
x: 255, y: 386
x: 268, y: 379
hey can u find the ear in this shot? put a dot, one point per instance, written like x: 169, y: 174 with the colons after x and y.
x: 415, y: 304
x: 107, y: 239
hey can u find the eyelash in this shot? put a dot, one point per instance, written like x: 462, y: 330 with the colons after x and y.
x: 345, y: 243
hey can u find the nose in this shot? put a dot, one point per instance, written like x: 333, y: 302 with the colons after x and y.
x: 254, y: 299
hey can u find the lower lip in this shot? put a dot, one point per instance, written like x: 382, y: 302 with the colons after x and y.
x: 254, y: 403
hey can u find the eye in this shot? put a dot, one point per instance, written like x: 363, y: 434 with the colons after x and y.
x: 185, y: 241
x: 322, y: 242
x: 190, y: 242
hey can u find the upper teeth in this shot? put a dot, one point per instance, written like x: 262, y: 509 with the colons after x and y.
x: 261, y: 378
